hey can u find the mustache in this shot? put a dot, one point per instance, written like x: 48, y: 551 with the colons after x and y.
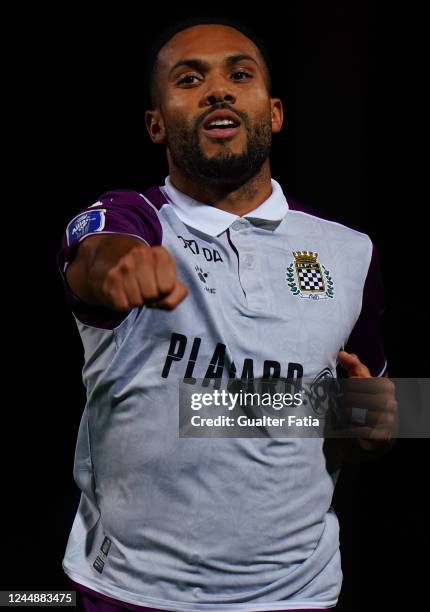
x: 222, y: 106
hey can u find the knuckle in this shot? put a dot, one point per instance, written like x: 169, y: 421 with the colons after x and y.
x: 120, y: 303
x: 150, y: 294
x: 392, y: 405
x: 159, y: 251
x: 126, y: 265
x: 170, y: 302
x: 111, y: 276
x: 390, y: 420
x: 143, y: 251
x: 110, y: 282
x: 391, y: 386
x: 164, y: 255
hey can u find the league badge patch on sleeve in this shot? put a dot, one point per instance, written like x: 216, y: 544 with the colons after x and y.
x: 87, y: 222
x: 307, y: 278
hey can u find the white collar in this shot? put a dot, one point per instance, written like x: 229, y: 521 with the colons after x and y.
x: 213, y: 221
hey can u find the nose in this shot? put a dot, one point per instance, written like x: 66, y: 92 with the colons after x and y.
x: 218, y: 91
x: 220, y: 97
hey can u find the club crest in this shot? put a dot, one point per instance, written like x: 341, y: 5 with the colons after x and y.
x: 309, y: 279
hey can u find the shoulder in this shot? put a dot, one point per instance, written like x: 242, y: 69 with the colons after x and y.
x: 349, y: 241
x: 129, y: 198
x: 310, y: 215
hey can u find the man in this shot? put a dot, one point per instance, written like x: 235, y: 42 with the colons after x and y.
x: 213, y: 275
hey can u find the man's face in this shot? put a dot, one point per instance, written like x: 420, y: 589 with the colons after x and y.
x: 208, y: 73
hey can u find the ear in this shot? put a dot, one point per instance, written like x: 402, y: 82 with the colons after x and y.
x: 155, y: 126
x: 277, y: 114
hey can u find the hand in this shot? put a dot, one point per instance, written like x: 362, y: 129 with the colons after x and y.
x: 371, y: 403
x: 121, y: 272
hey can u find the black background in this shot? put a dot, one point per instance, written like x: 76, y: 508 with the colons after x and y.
x: 352, y: 77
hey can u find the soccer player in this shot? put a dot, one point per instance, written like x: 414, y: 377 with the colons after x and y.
x: 216, y: 274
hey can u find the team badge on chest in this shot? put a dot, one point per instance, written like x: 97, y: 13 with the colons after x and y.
x: 307, y: 278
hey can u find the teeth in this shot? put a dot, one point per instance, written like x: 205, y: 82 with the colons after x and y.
x: 218, y: 122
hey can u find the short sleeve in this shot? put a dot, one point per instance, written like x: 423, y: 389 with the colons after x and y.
x: 365, y: 339
x: 118, y: 211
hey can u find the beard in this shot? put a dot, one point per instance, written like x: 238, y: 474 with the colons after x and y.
x: 225, y: 170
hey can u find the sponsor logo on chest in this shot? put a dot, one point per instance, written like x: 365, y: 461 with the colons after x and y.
x: 210, y: 254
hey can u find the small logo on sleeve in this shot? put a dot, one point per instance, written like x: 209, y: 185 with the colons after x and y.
x: 307, y: 278
x: 86, y: 223
x: 100, y: 561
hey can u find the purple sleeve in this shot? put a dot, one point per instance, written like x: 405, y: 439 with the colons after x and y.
x: 121, y: 211
x: 365, y: 339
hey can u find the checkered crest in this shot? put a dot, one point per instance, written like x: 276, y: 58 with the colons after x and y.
x: 308, y: 270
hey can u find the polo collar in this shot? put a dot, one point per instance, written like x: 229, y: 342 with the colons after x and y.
x: 213, y: 221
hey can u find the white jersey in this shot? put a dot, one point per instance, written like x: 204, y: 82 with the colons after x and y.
x: 214, y: 524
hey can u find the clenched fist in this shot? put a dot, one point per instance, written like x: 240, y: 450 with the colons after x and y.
x: 121, y: 272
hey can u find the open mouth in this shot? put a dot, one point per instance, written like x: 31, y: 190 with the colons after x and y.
x: 221, y: 125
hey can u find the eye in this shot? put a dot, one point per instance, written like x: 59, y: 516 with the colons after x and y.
x: 242, y: 72
x: 186, y: 80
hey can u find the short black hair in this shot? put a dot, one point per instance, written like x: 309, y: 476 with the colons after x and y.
x: 170, y: 31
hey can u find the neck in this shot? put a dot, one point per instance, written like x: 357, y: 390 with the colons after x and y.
x: 239, y: 201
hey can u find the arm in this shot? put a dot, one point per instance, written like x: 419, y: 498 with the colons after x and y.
x: 111, y: 260
x: 379, y: 401
x: 365, y: 358
x: 121, y: 272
